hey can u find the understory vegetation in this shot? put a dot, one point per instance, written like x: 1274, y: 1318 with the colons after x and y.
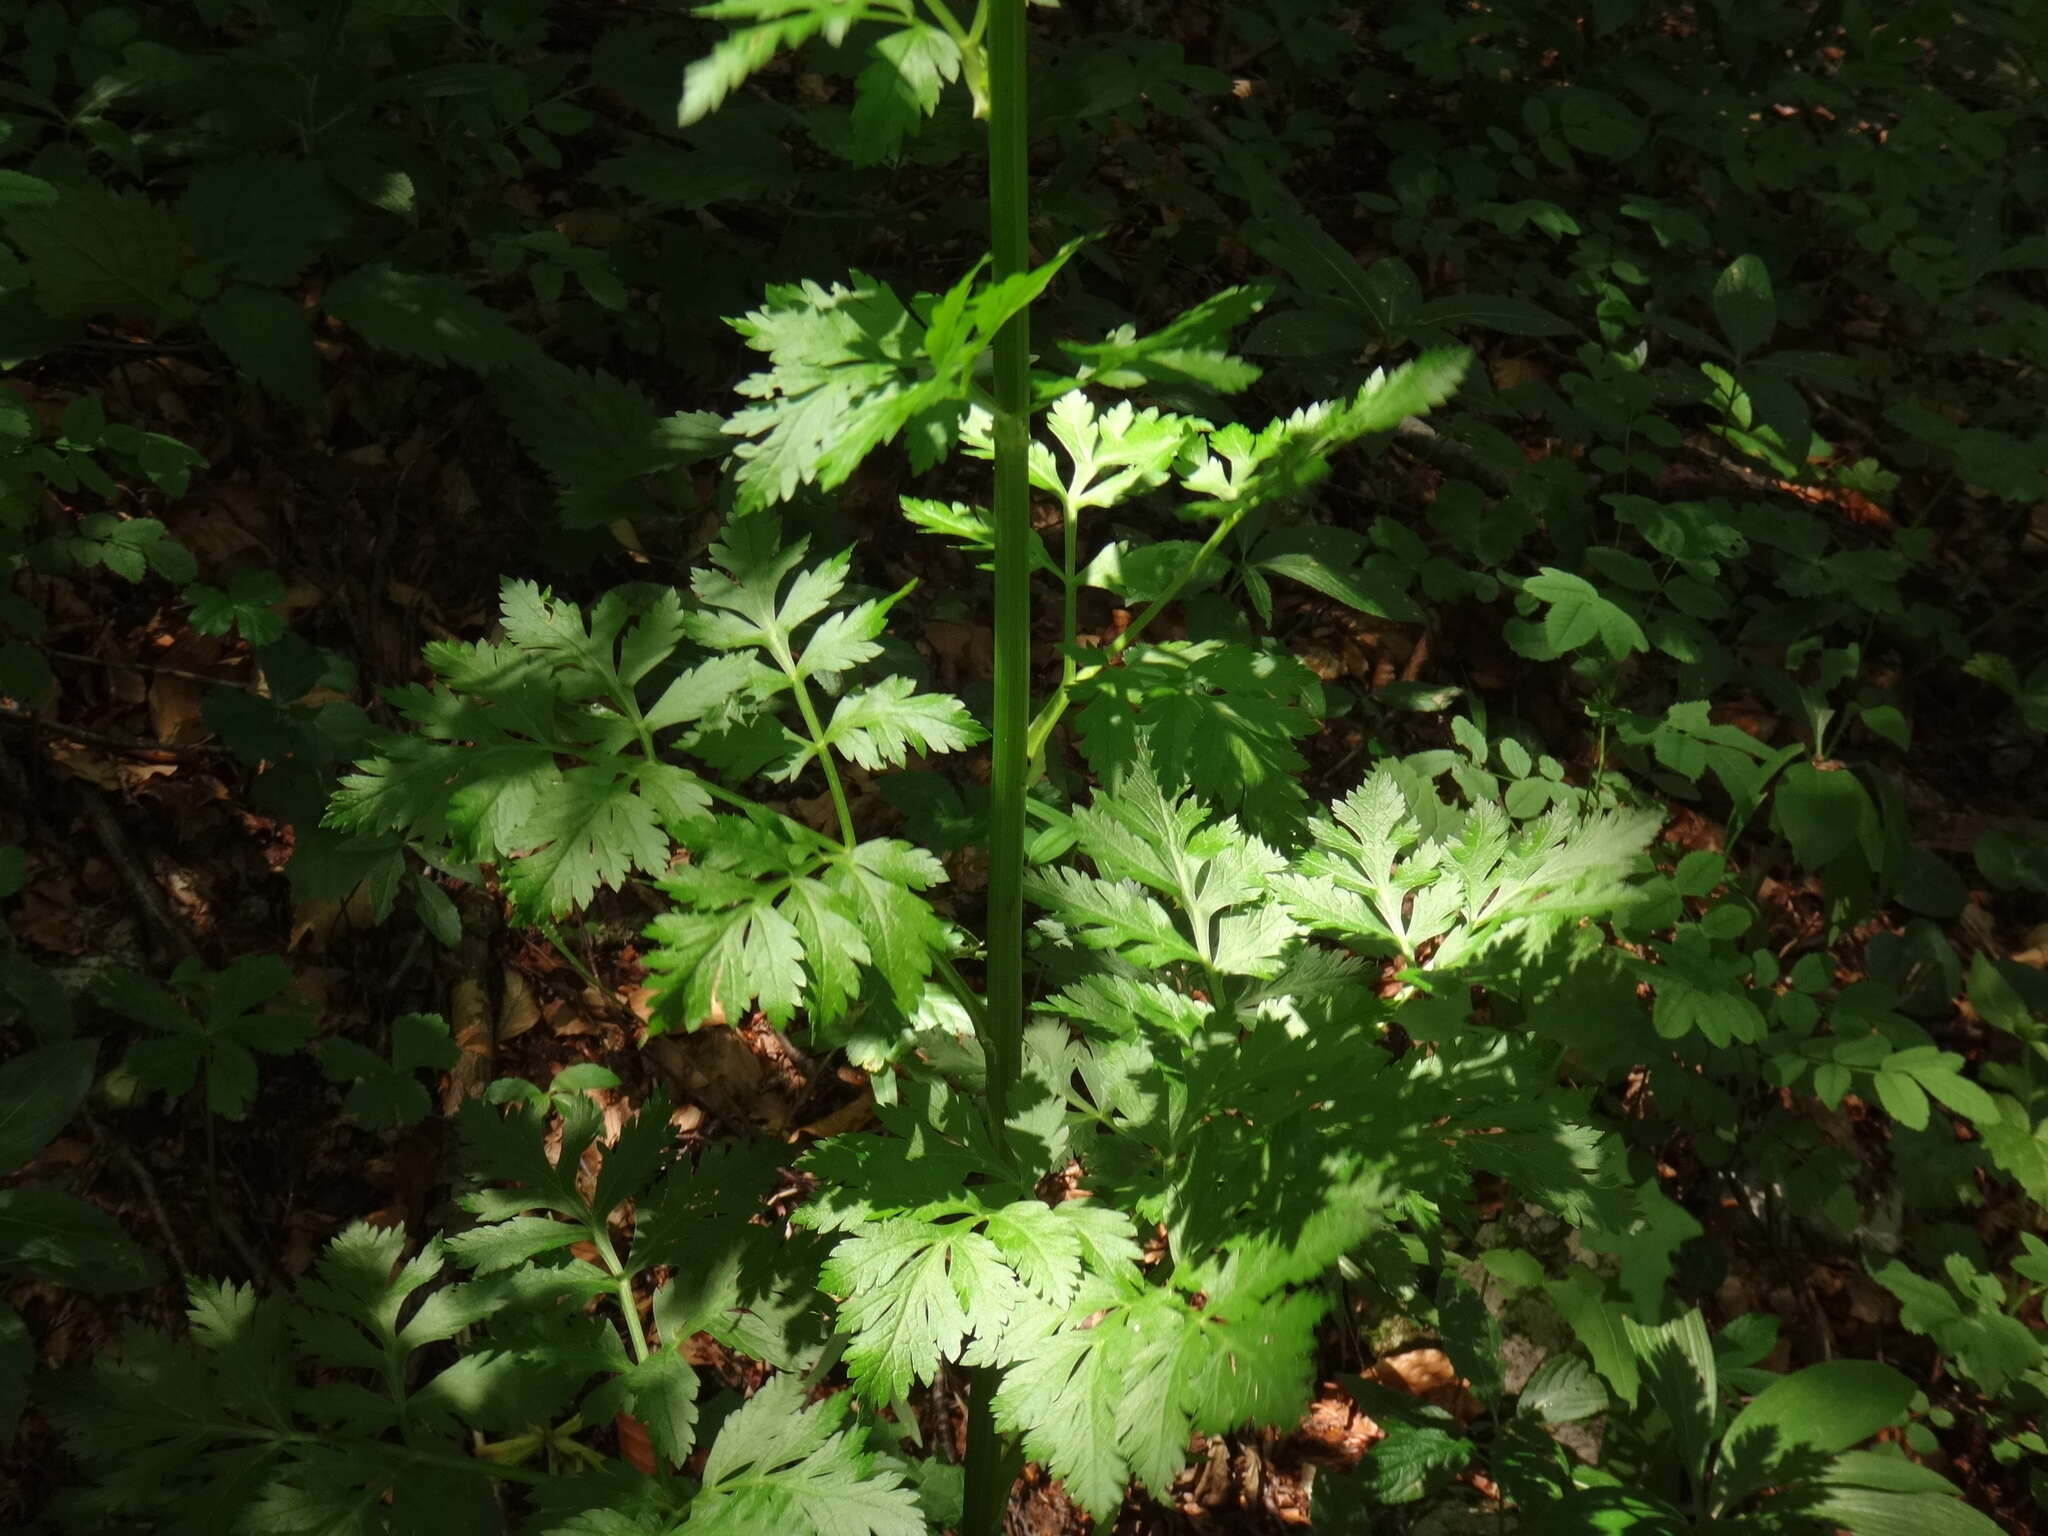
x: 845, y: 766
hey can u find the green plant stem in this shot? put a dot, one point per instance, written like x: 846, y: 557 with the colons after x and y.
x: 1056, y: 707
x: 967, y: 996
x: 1009, y: 208
x: 817, y: 730
x: 1070, y: 599
x: 991, y: 1465
x: 583, y: 972
x: 989, y: 1472
x: 635, y: 1329
x: 740, y: 802
x: 943, y: 14
x: 1158, y: 605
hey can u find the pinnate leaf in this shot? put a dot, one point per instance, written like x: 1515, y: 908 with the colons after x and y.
x: 778, y: 1466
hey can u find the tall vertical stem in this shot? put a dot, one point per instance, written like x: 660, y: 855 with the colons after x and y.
x: 1009, y: 208
x: 989, y: 1468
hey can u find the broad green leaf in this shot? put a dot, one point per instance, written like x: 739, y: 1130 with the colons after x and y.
x: 765, y: 917
x: 1322, y: 268
x: 705, y: 689
x: 2013, y: 862
x: 1060, y: 1398
x: 1967, y: 1319
x: 1042, y: 1245
x: 1821, y: 812
x: 1599, y: 1326
x: 1820, y: 1410
x: 95, y: 251
x: 247, y: 605
x: 1995, y: 999
x: 726, y: 959
x: 1884, y: 1512
x: 1902, y: 1099
x: 881, y: 885
x: 1562, y: 1390
x: 265, y: 218
x: 662, y: 1393
x: 2020, y: 1151
x: 509, y: 1244
x: 1577, y: 615
x: 1421, y: 1451
x: 39, y: 1091
x: 265, y: 335
x: 1654, y: 1229
x: 1109, y: 914
x: 20, y: 190
x: 883, y: 725
x: 1366, y: 588
x: 61, y: 1238
x: 1744, y: 304
x: 387, y: 1093
x: 1678, y: 1367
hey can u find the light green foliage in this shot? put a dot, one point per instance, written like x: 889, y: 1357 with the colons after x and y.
x: 777, y: 1465
x: 851, y: 369
x: 1266, y: 1148
x: 1480, y: 884
x: 481, y: 773
x: 1191, y: 349
x: 1112, y: 455
x: 1245, y: 470
x: 778, y: 919
x: 1214, y: 876
x: 614, y: 694
x: 775, y: 25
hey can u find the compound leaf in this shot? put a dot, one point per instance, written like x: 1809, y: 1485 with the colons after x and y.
x: 778, y: 1466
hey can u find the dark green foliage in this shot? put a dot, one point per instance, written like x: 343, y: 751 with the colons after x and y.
x: 1727, y: 324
